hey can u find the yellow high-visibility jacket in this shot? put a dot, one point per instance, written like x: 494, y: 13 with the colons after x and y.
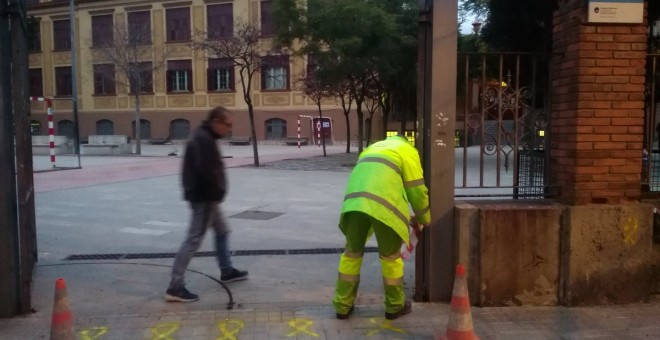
x: 388, y: 176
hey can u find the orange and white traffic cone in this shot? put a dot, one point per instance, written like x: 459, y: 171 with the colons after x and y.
x: 61, y: 327
x: 459, y: 325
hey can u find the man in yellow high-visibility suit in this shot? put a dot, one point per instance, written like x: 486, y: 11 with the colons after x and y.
x: 387, y: 178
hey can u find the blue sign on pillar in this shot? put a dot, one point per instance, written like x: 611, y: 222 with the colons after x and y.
x: 616, y: 11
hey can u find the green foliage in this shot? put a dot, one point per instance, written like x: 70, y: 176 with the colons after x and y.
x: 367, y: 44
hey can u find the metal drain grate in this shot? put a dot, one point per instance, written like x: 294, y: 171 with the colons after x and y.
x: 136, y: 256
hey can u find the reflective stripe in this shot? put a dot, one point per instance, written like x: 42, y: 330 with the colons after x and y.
x: 353, y: 254
x: 382, y: 201
x: 423, y: 211
x: 414, y: 183
x: 349, y: 278
x: 392, y: 257
x: 382, y: 161
x: 392, y: 269
x: 350, y: 266
x: 393, y: 282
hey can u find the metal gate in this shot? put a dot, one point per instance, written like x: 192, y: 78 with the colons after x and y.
x: 501, y: 125
x: 651, y: 152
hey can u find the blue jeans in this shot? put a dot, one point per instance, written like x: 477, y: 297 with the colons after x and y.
x: 204, y: 214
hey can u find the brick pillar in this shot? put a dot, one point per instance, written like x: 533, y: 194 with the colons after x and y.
x: 597, y: 119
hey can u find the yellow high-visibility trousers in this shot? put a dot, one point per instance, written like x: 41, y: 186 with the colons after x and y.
x: 389, y: 244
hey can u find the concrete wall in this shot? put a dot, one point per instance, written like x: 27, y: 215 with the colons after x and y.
x: 544, y: 253
x: 606, y: 254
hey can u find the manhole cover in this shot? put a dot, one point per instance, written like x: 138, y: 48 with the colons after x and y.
x: 257, y: 215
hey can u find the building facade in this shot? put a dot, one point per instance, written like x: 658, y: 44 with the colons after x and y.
x: 174, y: 98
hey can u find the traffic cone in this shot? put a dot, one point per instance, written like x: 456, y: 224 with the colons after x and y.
x: 61, y: 327
x: 459, y: 325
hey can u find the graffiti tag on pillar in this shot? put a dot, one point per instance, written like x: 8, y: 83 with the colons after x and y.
x: 631, y: 231
x: 442, y: 120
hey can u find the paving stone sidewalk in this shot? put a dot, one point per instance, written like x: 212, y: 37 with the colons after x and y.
x: 427, y: 321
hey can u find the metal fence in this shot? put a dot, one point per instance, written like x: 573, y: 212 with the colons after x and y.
x: 501, y: 123
x: 651, y: 153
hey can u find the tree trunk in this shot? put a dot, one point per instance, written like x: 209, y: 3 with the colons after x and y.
x: 322, y: 129
x: 348, y: 133
x: 360, y: 117
x: 253, y: 133
x: 138, y: 125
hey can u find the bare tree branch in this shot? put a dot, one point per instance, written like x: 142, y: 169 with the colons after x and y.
x: 128, y: 48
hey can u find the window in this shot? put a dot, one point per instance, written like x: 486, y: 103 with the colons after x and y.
x: 179, y: 129
x: 36, y: 82
x: 275, y: 72
x: 102, y: 30
x: 139, y: 27
x: 143, y: 73
x: 275, y: 128
x: 105, y: 127
x: 311, y: 65
x: 62, y: 35
x: 220, y: 74
x: 145, y: 129
x: 63, y: 81
x: 104, y: 79
x: 179, y: 76
x: 34, y: 35
x: 65, y: 128
x: 178, y: 24
x: 220, y: 20
x: 267, y: 24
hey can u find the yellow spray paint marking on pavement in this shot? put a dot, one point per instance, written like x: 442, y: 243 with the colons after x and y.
x: 229, y: 329
x: 93, y: 333
x: 631, y: 231
x: 301, y: 326
x: 385, y: 325
x: 164, y: 330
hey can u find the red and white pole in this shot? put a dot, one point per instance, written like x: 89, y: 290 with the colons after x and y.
x: 51, y: 128
x: 298, y: 133
x: 51, y: 136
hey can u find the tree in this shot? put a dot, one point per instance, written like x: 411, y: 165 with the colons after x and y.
x: 243, y: 49
x: 342, y: 92
x: 316, y: 90
x: 354, y: 40
x: 129, y: 50
x: 515, y: 25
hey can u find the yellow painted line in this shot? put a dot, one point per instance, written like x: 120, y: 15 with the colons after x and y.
x: 164, y: 331
x: 229, y: 329
x: 301, y: 326
x: 93, y: 333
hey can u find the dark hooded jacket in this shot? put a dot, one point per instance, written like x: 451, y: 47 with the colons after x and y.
x: 203, y: 174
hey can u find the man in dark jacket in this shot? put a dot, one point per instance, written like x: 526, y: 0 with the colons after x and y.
x: 204, y: 186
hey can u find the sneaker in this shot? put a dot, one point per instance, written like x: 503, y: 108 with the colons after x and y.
x: 180, y: 295
x: 345, y: 316
x: 407, y: 308
x: 234, y: 275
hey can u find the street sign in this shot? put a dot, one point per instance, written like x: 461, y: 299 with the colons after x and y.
x: 616, y: 11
